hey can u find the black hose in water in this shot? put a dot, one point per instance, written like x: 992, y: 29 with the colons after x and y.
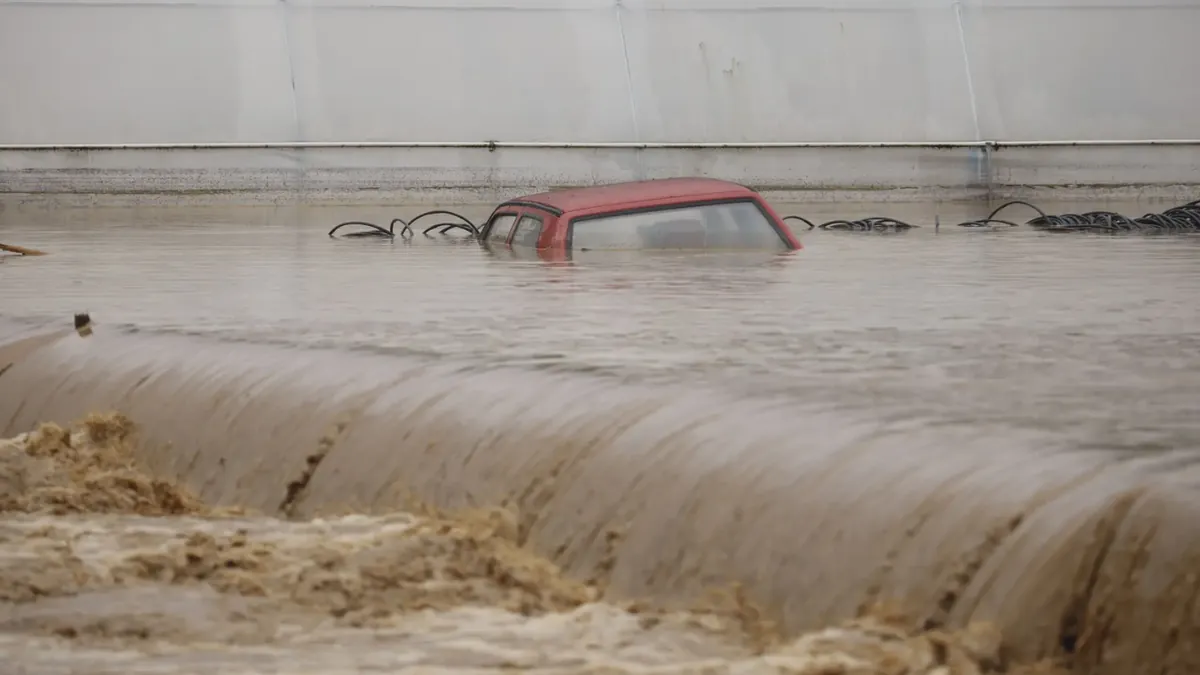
x: 1178, y: 219
x: 993, y: 220
x: 1184, y: 218
x: 406, y: 232
x: 376, y: 230
x: 466, y: 223
x: 872, y: 224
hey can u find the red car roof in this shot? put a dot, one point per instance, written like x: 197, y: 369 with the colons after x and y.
x: 619, y: 195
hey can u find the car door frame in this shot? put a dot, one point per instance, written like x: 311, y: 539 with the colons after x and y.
x: 514, y: 211
x: 548, y: 220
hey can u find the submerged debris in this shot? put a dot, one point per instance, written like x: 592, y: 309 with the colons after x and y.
x: 83, y: 324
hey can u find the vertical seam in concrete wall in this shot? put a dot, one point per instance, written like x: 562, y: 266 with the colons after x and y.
x: 297, y: 132
x: 989, y: 149
x: 962, y: 40
x: 637, y: 137
x: 983, y: 156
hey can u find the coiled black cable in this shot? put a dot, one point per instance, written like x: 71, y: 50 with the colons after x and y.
x: 1178, y: 219
x: 872, y: 224
x: 406, y: 232
x: 1184, y: 218
x: 993, y: 220
x: 466, y: 223
x: 376, y: 230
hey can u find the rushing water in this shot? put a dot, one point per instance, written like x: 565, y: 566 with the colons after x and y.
x: 1012, y: 368
x: 1091, y: 339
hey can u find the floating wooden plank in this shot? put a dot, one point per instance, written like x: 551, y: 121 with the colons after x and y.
x: 21, y: 250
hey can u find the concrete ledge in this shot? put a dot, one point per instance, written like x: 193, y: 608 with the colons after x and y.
x: 458, y: 174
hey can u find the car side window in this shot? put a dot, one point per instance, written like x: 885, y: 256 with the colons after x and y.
x: 501, y: 226
x: 529, y: 228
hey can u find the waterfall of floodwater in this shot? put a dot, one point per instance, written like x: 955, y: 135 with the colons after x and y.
x: 817, y: 513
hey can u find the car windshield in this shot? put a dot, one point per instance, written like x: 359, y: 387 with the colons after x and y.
x: 726, y: 225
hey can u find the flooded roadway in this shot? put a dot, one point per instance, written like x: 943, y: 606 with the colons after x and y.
x: 1089, y: 339
x: 901, y: 396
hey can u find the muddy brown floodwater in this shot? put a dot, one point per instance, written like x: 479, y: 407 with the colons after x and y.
x: 948, y: 452
x: 105, y: 569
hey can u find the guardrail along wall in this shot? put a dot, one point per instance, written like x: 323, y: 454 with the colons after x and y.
x: 219, y: 71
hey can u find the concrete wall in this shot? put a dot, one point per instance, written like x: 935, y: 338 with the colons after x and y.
x: 205, y: 71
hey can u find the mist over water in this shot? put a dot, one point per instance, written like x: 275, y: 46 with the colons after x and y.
x: 980, y: 426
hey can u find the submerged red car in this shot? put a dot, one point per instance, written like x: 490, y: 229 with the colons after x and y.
x: 672, y: 213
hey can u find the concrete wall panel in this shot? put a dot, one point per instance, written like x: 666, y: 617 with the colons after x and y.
x: 390, y: 72
x: 143, y: 73
x: 805, y: 72
x: 78, y: 72
x: 1072, y: 70
x: 162, y: 71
